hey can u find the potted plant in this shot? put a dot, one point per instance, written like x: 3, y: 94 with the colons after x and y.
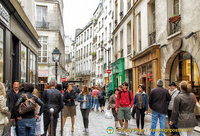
x: 116, y: 55
x: 94, y: 54
x: 174, y: 18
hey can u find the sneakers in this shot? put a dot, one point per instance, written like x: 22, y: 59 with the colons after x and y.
x: 142, y: 133
x: 86, y: 130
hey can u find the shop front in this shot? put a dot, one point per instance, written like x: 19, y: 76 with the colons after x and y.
x: 18, y: 45
x: 184, y: 67
x: 118, y: 73
x: 146, y: 68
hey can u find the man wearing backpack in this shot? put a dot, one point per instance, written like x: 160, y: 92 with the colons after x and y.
x: 124, y: 103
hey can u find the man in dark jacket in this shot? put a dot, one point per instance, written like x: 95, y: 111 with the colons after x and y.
x: 158, y: 102
x: 12, y: 97
x: 52, y: 99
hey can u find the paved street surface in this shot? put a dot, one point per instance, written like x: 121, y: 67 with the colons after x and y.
x: 98, y: 125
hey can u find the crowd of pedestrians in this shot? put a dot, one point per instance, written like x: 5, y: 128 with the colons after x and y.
x: 23, y: 106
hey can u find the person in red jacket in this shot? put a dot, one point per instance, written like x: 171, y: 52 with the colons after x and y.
x: 124, y: 103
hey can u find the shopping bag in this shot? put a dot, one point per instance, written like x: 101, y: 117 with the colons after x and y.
x: 13, y: 131
x: 108, y: 115
x: 39, y: 129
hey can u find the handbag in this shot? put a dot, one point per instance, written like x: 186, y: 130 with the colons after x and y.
x: 13, y: 131
x: 39, y: 129
x: 197, y: 109
x: 27, y: 106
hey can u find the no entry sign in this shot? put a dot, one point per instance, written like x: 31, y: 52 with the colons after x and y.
x: 109, y: 71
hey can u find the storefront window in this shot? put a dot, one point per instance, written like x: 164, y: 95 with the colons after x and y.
x: 185, y: 68
x: 1, y: 53
x: 140, y: 75
x: 32, y: 68
x: 144, y: 70
x: 23, y: 63
x: 150, y: 78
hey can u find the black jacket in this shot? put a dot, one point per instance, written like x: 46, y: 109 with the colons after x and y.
x: 30, y: 114
x: 52, y: 98
x: 69, y: 98
x: 12, y: 98
x: 159, y: 99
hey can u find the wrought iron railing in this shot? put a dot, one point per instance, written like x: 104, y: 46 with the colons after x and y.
x: 152, y: 38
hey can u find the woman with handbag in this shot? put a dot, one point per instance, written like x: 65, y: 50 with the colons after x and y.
x: 3, y: 109
x: 111, y: 105
x: 85, y: 106
x: 26, y: 115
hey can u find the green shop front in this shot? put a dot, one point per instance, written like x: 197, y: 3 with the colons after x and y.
x: 118, y: 73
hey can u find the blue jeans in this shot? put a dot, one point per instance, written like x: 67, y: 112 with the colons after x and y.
x: 155, y: 117
x: 95, y: 103
x: 26, y: 127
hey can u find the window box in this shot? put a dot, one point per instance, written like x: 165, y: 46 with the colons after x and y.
x: 174, y: 19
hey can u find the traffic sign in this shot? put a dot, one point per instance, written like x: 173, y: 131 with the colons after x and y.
x: 109, y: 71
x: 63, y: 79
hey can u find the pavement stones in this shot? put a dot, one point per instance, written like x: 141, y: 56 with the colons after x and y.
x: 99, y: 125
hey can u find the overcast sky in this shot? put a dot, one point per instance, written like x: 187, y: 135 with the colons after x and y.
x: 77, y: 13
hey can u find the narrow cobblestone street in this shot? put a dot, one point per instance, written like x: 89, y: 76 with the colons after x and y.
x: 98, y: 125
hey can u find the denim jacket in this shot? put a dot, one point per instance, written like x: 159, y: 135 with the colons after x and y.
x: 144, y: 100
x: 88, y: 103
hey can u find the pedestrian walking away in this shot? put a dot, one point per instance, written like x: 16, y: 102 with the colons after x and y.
x: 183, y: 110
x: 141, y: 105
x: 111, y: 105
x: 52, y: 99
x: 173, y: 91
x: 95, y: 94
x: 85, y: 106
x: 158, y: 102
x: 69, y: 97
x: 101, y: 97
x: 3, y: 109
x: 124, y: 103
x: 26, y: 114
x: 12, y: 97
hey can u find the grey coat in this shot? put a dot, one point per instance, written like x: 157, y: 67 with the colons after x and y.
x: 183, y: 111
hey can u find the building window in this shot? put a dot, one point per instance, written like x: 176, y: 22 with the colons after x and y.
x: 43, y: 55
x: 176, y: 7
x: 175, y: 16
x: 90, y: 32
x: 1, y: 53
x: 87, y: 34
x: 23, y: 63
x: 129, y: 37
x: 152, y: 24
x: 139, y: 32
x: 32, y: 68
x: 41, y: 16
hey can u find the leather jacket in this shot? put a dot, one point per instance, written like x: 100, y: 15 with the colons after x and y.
x: 53, y: 99
x: 30, y: 114
x: 183, y: 111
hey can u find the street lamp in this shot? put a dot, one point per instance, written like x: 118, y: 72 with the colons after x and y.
x: 108, y: 61
x: 56, y: 58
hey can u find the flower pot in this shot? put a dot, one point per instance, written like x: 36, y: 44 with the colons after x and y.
x: 174, y: 19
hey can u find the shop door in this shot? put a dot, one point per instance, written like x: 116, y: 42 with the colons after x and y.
x: 14, y: 65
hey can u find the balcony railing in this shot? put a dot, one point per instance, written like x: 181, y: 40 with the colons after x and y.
x: 42, y: 24
x: 129, y: 49
x: 152, y: 38
x: 116, y: 23
x: 121, y: 14
x: 175, y: 25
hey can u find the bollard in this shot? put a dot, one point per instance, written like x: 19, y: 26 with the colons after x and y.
x: 52, y: 111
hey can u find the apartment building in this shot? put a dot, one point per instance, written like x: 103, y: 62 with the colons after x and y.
x: 122, y: 43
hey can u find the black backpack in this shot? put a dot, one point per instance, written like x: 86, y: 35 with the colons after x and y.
x: 100, y: 95
x: 128, y: 94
